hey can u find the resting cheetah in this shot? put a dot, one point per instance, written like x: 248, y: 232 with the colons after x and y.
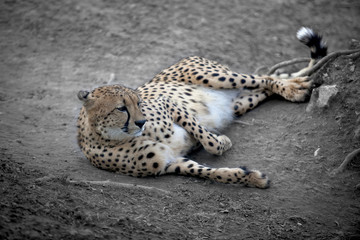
x: 147, y: 131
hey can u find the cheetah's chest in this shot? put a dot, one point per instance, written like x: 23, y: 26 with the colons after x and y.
x: 161, y: 128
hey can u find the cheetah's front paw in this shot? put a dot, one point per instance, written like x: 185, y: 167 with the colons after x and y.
x: 223, y: 144
x: 257, y: 179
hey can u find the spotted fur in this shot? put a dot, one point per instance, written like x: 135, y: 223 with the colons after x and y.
x: 148, y: 131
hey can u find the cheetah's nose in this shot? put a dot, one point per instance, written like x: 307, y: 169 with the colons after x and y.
x: 140, y: 123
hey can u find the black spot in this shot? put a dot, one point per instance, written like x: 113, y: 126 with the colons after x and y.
x: 190, y: 165
x: 250, y: 99
x: 140, y: 157
x: 150, y: 155
x: 205, y: 81
x: 215, y: 74
x: 218, y: 177
x: 222, y: 79
x: 236, y: 107
x: 177, y: 170
x: 211, y: 144
x: 155, y: 165
x: 199, y: 78
x: 231, y: 80
x: 167, y: 136
x: 243, y: 81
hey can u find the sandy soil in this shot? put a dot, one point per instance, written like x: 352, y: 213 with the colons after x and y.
x: 52, y: 49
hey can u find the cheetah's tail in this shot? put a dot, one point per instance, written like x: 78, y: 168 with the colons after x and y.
x: 318, y: 48
x: 241, y: 175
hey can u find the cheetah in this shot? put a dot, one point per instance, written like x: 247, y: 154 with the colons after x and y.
x: 149, y: 130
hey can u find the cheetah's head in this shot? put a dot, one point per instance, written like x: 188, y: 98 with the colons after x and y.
x: 114, y: 112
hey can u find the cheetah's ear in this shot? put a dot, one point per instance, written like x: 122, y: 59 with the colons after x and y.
x: 83, y: 95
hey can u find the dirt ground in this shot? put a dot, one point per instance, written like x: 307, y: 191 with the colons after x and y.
x: 52, y: 49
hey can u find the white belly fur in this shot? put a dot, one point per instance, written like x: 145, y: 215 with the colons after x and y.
x: 181, y: 142
x: 216, y: 115
x: 219, y: 103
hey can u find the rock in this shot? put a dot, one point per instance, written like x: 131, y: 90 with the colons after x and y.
x: 352, y: 68
x: 321, y: 97
x: 316, y: 153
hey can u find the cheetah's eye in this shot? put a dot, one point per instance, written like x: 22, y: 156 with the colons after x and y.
x: 122, y: 109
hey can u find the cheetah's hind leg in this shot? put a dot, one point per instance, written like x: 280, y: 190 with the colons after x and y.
x: 249, y: 99
x: 241, y: 175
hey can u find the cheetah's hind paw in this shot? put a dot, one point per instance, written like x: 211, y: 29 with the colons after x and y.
x: 297, y: 89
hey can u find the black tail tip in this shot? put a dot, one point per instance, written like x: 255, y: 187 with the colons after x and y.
x: 314, y: 41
